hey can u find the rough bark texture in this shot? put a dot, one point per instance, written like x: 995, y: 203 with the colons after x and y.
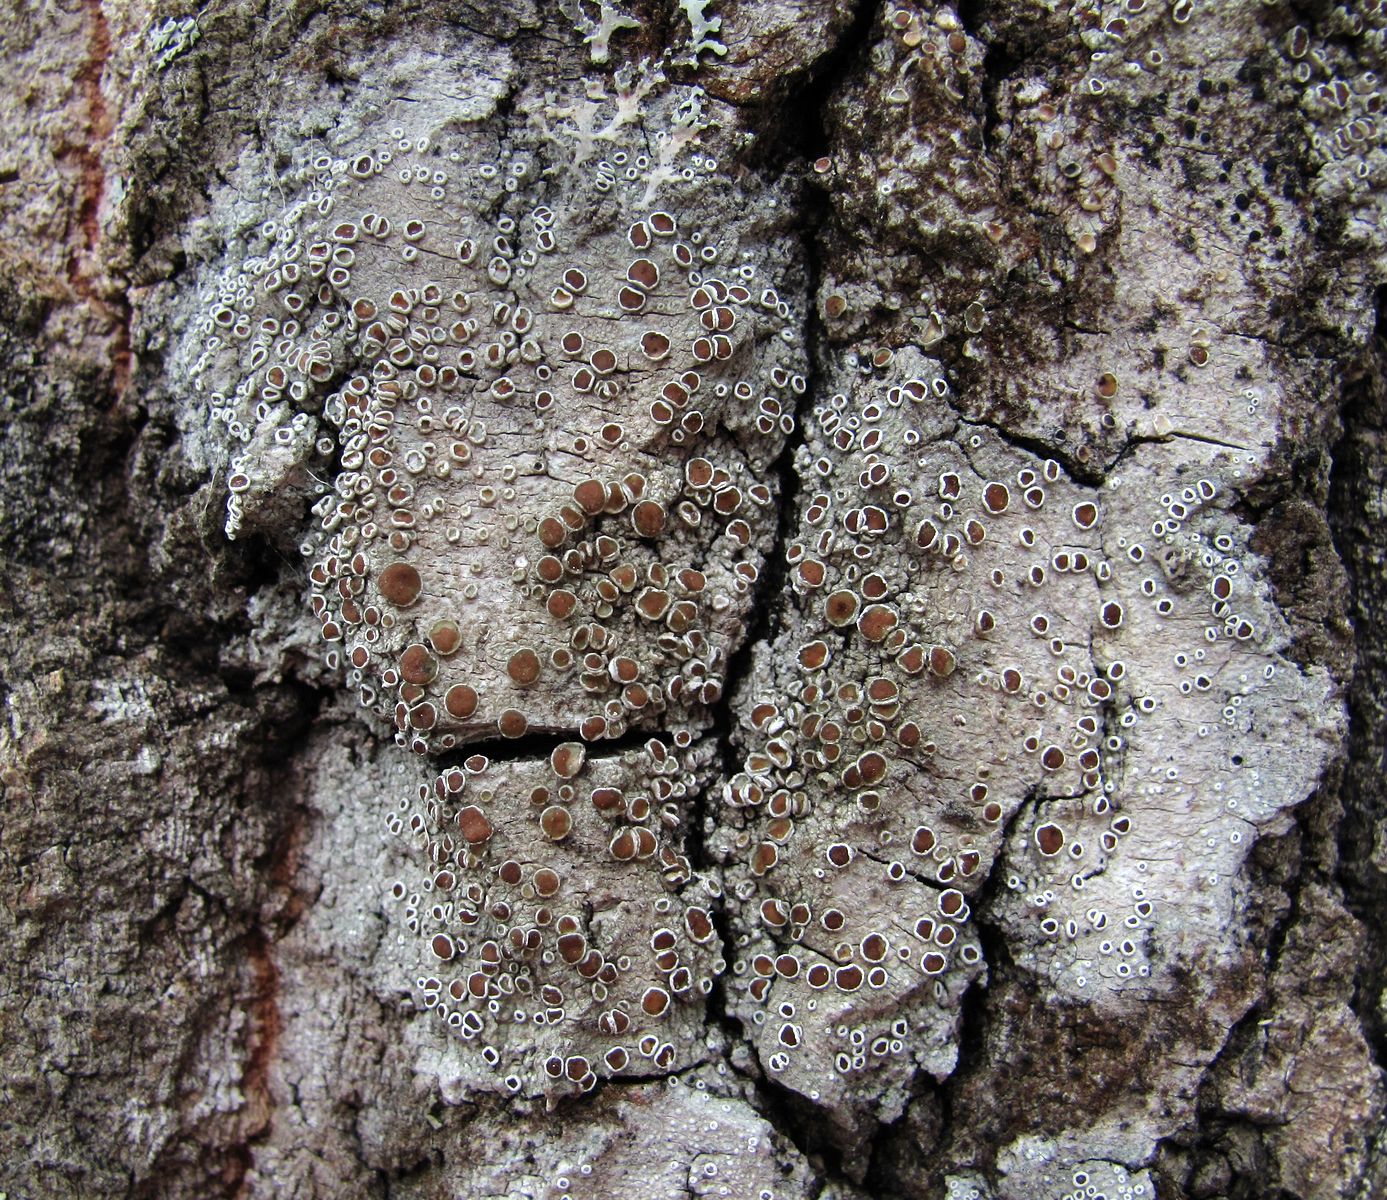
x: 758, y: 600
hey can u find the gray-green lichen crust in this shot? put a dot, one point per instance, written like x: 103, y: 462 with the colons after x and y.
x: 532, y: 374
x: 556, y: 396
x: 1130, y: 304
x: 533, y: 358
x: 988, y: 670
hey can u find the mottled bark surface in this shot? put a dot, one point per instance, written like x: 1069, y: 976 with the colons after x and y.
x: 758, y: 600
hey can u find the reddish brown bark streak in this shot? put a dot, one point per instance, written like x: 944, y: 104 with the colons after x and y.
x: 84, y: 271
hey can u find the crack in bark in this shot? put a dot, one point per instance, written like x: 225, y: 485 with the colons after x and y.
x: 1356, y: 479
x: 999, y: 63
x: 793, y: 1120
x: 1209, y: 1124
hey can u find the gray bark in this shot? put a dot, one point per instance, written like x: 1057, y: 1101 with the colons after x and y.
x: 758, y: 600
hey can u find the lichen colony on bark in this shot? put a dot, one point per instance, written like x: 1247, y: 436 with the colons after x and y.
x: 779, y: 553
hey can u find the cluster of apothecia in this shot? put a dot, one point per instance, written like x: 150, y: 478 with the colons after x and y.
x: 564, y: 926
x: 553, y: 401
x: 959, y: 668
x: 552, y: 495
x: 548, y: 401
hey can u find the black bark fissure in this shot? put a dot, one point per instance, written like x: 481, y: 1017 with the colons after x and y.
x: 1357, y: 482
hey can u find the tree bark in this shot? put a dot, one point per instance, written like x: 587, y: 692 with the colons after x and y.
x: 763, y: 599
